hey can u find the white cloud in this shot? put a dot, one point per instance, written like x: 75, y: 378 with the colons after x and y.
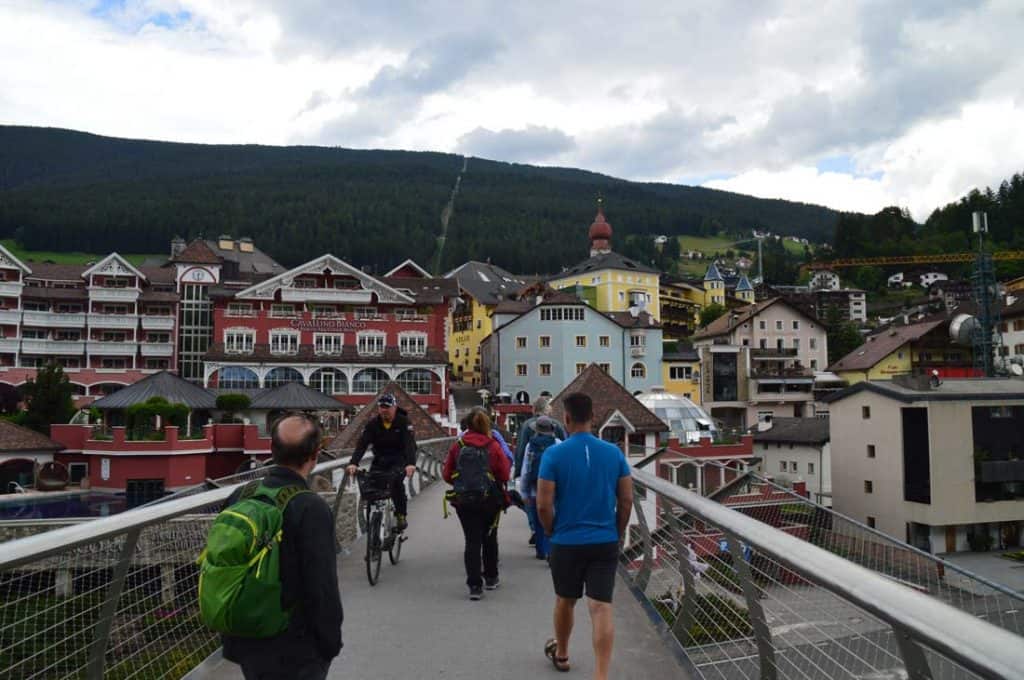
x: 926, y: 97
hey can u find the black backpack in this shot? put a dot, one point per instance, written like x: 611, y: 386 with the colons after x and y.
x: 539, y: 443
x: 472, y: 482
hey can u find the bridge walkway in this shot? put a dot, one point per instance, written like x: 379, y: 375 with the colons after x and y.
x: 418, y: 622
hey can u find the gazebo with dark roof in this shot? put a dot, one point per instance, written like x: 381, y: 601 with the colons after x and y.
x: 294, y: 397
x: 163, y: 384
x: 424, y: 426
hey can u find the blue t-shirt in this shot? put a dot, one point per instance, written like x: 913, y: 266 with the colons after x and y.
x: 586, y: 473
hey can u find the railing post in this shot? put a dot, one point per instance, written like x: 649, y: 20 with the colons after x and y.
x: 763, y: 636
x: 914, y: 660
x: 686, y: 616
x: 98, y: 649
x: 644, y: 575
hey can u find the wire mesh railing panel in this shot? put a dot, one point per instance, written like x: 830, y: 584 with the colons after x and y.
x: 118, y: 597
x: 49, y: 610
x: 740, y: 611
x: 869, y: 548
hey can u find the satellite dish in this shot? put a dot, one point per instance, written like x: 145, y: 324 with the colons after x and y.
x: 1017, y: 370
x: 962, y: 329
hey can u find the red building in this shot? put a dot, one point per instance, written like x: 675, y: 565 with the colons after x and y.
x: 333, y: 327
x: 107, y: 324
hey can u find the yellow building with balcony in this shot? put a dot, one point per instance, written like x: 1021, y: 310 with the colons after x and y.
x: 680, y: 372
x: 482, y: 286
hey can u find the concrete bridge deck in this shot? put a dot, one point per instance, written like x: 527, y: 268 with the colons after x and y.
x: 419, y: 623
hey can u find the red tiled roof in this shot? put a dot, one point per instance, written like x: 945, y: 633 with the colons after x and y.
x: 608, y: 396
x: 424, y: 426
x: 15, y: 438
x: 197, y: 252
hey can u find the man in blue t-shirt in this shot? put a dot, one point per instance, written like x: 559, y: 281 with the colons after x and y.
x: 584, y: 499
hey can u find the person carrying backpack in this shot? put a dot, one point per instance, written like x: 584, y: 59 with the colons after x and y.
x: 477, y: 469
x: 543, y: 438
x: 268, y: 579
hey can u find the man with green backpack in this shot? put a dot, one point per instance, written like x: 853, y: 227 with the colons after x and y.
x: 268, y: 577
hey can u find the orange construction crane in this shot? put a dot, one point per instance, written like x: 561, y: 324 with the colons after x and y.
x: 940, y: 258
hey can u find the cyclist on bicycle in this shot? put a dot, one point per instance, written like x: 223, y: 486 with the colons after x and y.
x: 394, y: 447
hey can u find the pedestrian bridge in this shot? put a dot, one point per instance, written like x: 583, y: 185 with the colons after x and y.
x: 784, y: 590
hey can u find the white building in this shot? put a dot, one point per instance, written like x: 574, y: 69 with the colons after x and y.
x: 938, y: 467
x: 928, y: 279
x: 1012, y: 328
x: 795, y: 450
x: 824, y: 280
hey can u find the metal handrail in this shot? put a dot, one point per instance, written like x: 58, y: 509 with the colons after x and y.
x: 977, y: 645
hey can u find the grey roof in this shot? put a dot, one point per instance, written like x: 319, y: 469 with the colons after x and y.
x: 256, y: 262
x: 487, y: 283
x: 962, y: 389
x: 611, y: 260
x: 296, y: 397
x: 796, y: 431
x: 163, y: 384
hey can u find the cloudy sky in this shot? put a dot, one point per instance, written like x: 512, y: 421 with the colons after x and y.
x: 855, y: 105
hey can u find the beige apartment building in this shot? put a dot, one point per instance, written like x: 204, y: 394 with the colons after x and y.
x: 940, y: 466
x: 759, y: 362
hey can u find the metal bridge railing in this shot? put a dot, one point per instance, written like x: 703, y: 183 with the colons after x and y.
x: 117, y: 597
x: 746, y: 596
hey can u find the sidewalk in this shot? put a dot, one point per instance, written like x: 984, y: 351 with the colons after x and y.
x: 419, y: 623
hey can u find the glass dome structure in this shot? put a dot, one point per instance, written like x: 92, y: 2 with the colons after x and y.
x: 687, y: 421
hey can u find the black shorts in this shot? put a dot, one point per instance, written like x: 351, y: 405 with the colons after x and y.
x: 593, y: 565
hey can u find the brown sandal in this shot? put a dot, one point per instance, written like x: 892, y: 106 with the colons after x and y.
x: 561, y: 663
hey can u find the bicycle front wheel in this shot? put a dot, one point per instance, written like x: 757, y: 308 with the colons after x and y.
x: 374, y: 553
x: 395, y: 549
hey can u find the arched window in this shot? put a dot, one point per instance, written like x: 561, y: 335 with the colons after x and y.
x: 282, y: 376
x: 638, y: 370
x: 329, y: 381
x: 237, y: 378
x: 369, y: 381
x: 417, y: 381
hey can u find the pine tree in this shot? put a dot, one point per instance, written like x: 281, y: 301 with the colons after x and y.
x: 49, y: 399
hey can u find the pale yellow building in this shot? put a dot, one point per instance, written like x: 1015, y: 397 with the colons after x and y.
x: 608, y: 281
x: 901, y: 350
x: 481, y: 287
x: 680, y: 373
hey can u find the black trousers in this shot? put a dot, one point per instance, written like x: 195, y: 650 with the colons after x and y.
x: 309, y: 669
x: 479, y: 526
x: 398, y: 496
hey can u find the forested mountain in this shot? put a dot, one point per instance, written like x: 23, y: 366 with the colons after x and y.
x: 66, y: 190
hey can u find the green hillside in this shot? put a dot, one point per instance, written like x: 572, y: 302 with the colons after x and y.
x: 65, y: 190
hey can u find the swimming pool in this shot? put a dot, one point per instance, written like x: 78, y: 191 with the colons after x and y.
x: 85, y: 504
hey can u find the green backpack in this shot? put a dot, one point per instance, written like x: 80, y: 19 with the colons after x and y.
x: 239, y: 569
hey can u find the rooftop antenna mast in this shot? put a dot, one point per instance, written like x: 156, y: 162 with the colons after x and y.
x: 984, y: 340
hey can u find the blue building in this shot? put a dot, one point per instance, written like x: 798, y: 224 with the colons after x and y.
x: 542, y: 343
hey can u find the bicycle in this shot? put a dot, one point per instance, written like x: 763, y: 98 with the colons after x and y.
x: 378, y: 513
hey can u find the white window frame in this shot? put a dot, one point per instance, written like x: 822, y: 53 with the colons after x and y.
x: 280, y: 310
x: 638, y: 339
x: 521, y: 341
x: 365, y: 313
x: 812, y: 343
x: 328, y: 343
x: 544, y: 370
x: 544, y: 342
x: 320, y: 311
x: 581, y: 341
x: 284, y: 341
x: 642, y: 370
x: 412, y: 344
x: 243, y: 341
x: 604, y: 341
x: 580, y: 368
x: 521, y: 370
x: 239, y: 309
x: 375, y: 338
x: 406, y: 314
x: 675, y: 371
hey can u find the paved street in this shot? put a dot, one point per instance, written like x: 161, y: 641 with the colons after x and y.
x: 418, y: 623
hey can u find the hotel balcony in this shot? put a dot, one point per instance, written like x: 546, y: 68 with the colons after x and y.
x: 54, y: 319
x: 102, y: 294
x: 11, y: 288
x: 637, y: 351
x: 9, y: 345
x: 33, y: 346
x: 10, y: 316
x: 113, y: 348
x: 335, y: 295
x: 156, y: 349
x: 113, y: 320
x: 772, y: 353
x: 158, y: 323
